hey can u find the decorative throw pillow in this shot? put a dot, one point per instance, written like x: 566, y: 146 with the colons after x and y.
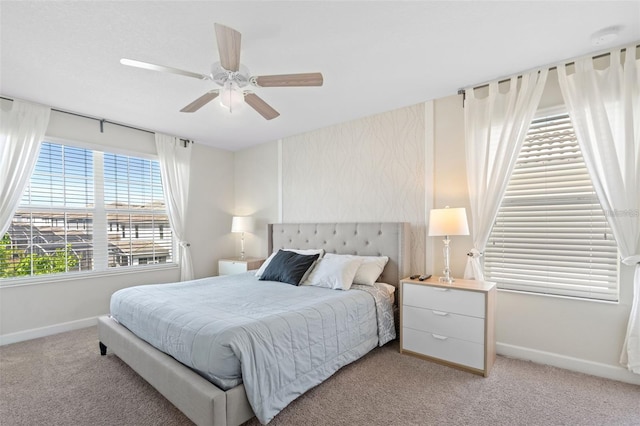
x: 334, y: 272
x: 260, y: 271
x: 288, y: 267
x: 370, y: 269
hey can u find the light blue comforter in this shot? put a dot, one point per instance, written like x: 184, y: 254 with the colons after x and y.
x: 280, y: 340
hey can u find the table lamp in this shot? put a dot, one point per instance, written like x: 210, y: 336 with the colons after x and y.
x: 242, y: 224
x: 447, y: 222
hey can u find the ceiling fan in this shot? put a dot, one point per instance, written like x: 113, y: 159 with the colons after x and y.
x: 233, y: 77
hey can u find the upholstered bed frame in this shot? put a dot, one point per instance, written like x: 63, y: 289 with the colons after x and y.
x: 199, y: 399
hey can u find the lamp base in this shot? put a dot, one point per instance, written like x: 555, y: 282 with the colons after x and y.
x: 242, y: 246
x: 446, y: 278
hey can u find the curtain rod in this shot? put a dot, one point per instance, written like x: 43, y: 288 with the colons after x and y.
x: 103, y: 121
x: 601, y: 55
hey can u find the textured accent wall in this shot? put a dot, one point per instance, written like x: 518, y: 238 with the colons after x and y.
x: 367, y: 170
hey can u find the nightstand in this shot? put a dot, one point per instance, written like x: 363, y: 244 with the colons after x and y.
x: 236, y: 265
x: 451, y: 324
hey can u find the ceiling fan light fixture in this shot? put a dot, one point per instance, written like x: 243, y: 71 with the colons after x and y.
x: 231, y: 97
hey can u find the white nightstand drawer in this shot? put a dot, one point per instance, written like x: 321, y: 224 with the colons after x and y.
x: 237, y: 266
x: 444, y: 299
x: 446, y: 348
x: 444, y: 323
x: 230, y: 268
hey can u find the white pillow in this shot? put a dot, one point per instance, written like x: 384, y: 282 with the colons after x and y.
x: 260, y: 271
x: 336, y: 272
x: 370, y: 269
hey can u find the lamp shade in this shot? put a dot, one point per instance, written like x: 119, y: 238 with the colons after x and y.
x: 448, y: 221
x: 242, y: 224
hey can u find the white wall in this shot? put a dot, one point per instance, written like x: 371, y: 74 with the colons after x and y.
x: 256, y: 188
x: 31, y: 310
x: 211, y: 204
x: 450, y: 178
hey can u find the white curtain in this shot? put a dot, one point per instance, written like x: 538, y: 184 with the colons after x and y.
x: 495, y: 127
x: 175, y: 160
x: 21, y: 133
x: 604, y: 106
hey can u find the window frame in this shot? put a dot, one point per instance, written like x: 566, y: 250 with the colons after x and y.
x: 542, y: 113
x: 98, y: 202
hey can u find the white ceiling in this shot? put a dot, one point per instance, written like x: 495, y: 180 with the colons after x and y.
x: 375, y: 56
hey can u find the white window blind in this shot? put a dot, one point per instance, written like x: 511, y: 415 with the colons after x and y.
x: 86, y: 210
x: 551, y: 235
x: 52, y: 230
x: 138, y: 224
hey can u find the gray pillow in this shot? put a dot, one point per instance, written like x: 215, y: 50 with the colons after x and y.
x: 288, y: 267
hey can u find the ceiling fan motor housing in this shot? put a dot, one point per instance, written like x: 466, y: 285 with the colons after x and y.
x: 222, y: 76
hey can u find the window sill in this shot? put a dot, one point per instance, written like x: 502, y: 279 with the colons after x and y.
x: 558, y: 296
x: 64, y: 277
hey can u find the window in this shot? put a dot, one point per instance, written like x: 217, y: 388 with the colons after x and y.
x: 86, y: 210
x: 551, y: 235
x: 136, y: 213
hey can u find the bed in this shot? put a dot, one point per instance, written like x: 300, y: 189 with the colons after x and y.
x: 210, y: 394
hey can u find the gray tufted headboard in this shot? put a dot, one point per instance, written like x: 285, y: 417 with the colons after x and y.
x: 365, y: 239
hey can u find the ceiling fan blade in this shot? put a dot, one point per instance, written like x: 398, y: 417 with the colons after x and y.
x: 200, y: 102
x: 228, y: 47
x: 154, y: 67
x: 291, y: 80
x: 263, y: 108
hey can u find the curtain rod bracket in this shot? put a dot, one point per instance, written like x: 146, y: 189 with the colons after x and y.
x: 464, y: 95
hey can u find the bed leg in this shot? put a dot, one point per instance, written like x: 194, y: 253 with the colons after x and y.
x: 103, y: 349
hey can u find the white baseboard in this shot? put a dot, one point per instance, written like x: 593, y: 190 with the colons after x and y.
x: 568, y: 363
x: 541, y: 357
x: 35, y: 333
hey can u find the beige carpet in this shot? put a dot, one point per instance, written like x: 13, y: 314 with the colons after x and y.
x: 62, y: 380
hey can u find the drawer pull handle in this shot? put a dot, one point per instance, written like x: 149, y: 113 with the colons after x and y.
x: 440, y: 289
x: 439, y: 337
x: 442, y: 314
